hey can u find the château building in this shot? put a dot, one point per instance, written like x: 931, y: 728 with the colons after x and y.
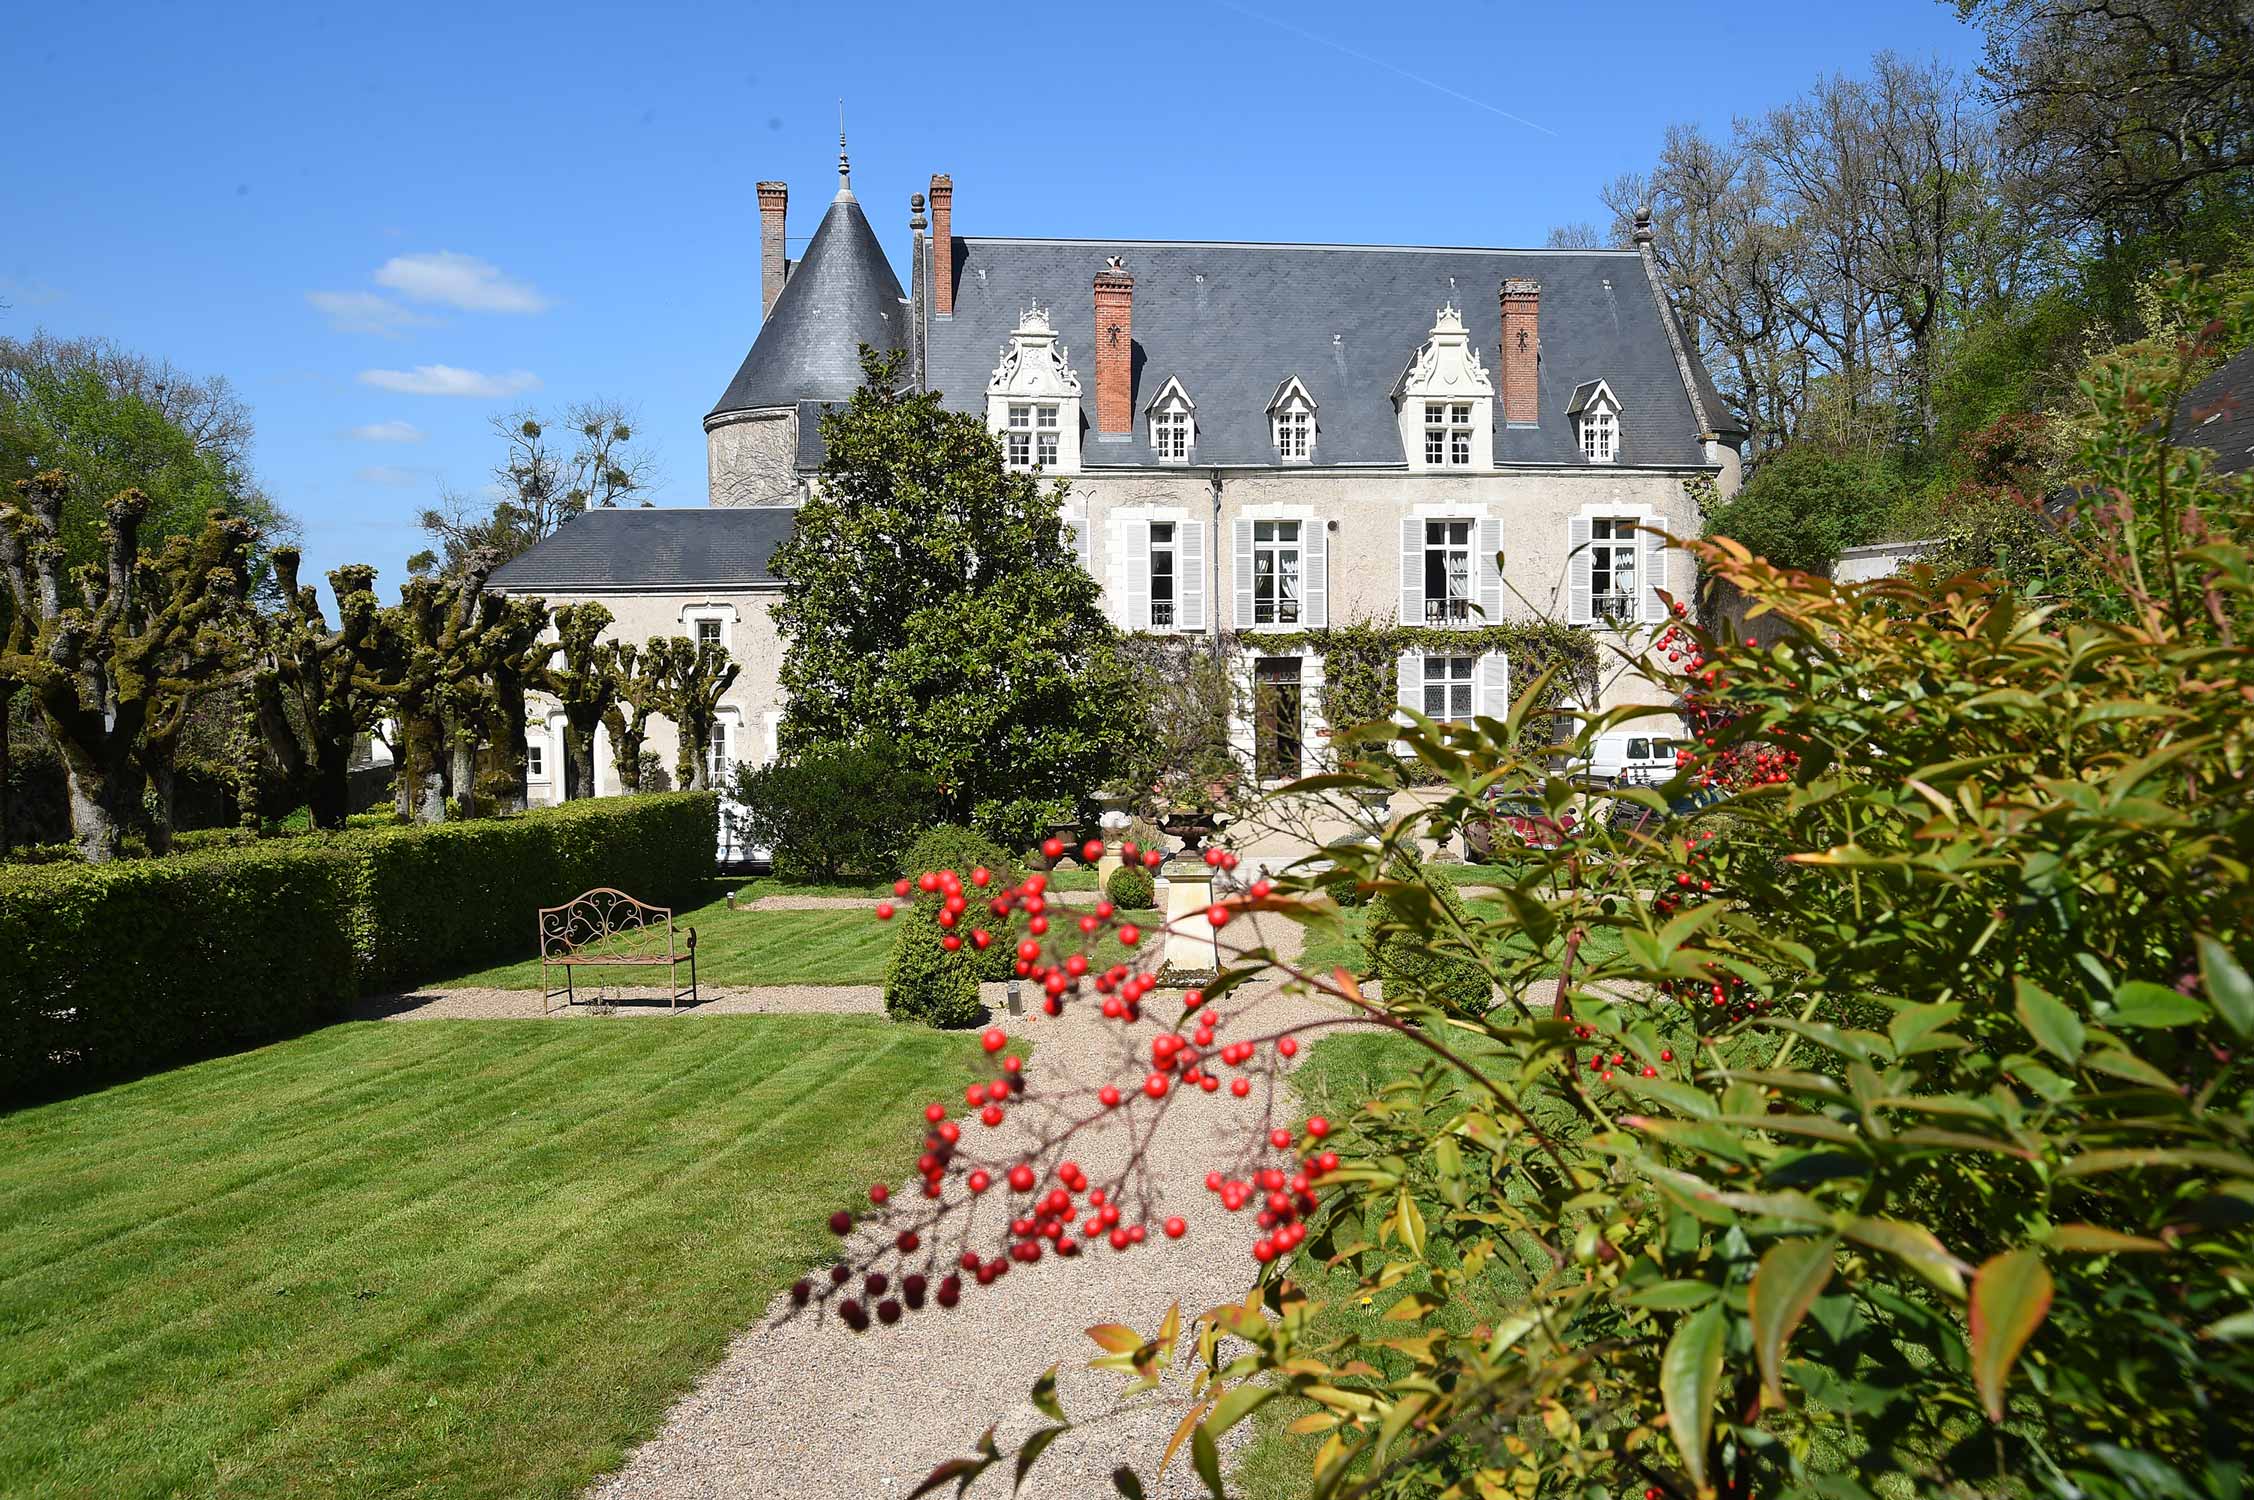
x: 1260, y: 440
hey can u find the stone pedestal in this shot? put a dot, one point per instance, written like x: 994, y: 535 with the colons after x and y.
x: 1193, y: 951
x: 1113, y: 824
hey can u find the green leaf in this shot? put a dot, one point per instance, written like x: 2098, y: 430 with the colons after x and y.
x: 1045, y: 1395
x: 1411, y: 1223
x: 2089, y: 1239
x: 2011, y: 1295
x: 2122, y: 1064
x: 2055, y: 1028
x: 1030, y: 1454
x: 2091, y: 1163
x: 1909, y: 1026
x: 1689, y: 1372
x: 1790, y: 1278
x: 1673, y: 1294
x: 2227, y: 985
x: 2143, y: 1003
x: 1206, y: 1458
x: 1912, y: 1243
x: 2239, y: 1325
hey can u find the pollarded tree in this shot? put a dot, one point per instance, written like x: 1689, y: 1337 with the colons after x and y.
x: 112, y: 653
x: 312, y: 692
x: 697, y: 674
x: 930, y: 599
x: 582, y: 679
x: 515, y: 657
x: 640, y: 677
x: 426, y: 654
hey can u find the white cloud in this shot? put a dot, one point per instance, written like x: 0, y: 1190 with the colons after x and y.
x: 387, y: 432
x: 365, y: 312
x: 446, y: 380
x: 393, y: 476
x: 455, y: 280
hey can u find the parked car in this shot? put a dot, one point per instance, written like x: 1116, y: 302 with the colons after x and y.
x: 1514, y: 821
x: 1633, y: 757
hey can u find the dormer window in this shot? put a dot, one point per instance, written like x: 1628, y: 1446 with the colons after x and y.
x: 1173, y: 424
x: 1291, y: 418
x: 1033, y: 400
x: 1596, y: 418
x: 1445, y: 401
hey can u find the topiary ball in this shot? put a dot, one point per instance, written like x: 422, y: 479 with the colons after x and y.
x: 1131, y: 888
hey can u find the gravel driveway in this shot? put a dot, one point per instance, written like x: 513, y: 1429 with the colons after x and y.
x: 802, y: 1408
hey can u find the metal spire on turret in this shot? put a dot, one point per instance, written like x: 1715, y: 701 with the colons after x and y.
x: 844, y: 167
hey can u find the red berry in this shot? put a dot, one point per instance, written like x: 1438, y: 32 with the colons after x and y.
x: 1155, y: 1085
x: 900, y: 888
x: 935, y: 1112
x: 1109, y: 1096
x: 1667, y: 1057
x: 878, y: 1193
x: 991, y: 1115
x: 1052, y: 847
x: 1280, y: 1138
x: 1263, y: 1251
x: 927, y: 882
x: 980, y: 937
x: 1021, y: 1178
x: 951, y: 943
x: 1092, y: 850
x: 841, y: 1222
x: 1013, y: 1064
x: 995, y: 1039
x: 1152, y: 859
x: 979, y: 1182
x: 1130, y: 934
x: 1175, y: 1228
x: 980, y: 876
x: 1289, y: 1046
x: 1240, y: 1086
x: 1317, y: 1126
x: 884, y: 911
x: 1217, y: 914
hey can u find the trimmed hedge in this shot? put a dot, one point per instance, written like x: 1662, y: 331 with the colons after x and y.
x: 1412, y: 971
x: 1131, y: 888
x: 437, y: 899
x: 924, y: 982
x: 949, y: 846
x: 113, y: 969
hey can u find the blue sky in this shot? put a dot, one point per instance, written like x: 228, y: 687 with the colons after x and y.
x: 345, y: 211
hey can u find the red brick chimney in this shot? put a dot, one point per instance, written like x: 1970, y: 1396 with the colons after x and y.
x: 774, y: 198
x: 943, y: 245
x: 1115, y: 349
x: 1522, y: 349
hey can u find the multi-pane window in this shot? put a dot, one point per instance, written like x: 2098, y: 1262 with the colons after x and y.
x: 1447, y: 572
x: 708, y: 632
x: 1447, y: 686
x: 1161, y: 574
x: 1597, y: 435
x: 1170, y: 433
x: 1447, y: 434
x: 1031, y: 436
x: 1295, y: 433
x: 536, y: 762
x: 716, y: 754
x: 1612, y: 567
x: 1275, y: 572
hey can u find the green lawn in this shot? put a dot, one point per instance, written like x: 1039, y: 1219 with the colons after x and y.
x: 439, y: 1258
x: 741, y: 947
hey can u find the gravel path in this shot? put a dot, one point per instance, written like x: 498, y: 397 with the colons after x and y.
x: 802, y: 1408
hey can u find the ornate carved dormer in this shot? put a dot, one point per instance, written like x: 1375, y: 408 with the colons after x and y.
x: 1445, y: 401
x: 1033, y: 399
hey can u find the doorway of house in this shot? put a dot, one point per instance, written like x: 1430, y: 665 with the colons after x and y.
x: 1277, y: 723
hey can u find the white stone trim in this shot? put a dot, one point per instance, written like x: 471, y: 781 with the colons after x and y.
x: 692, y: 615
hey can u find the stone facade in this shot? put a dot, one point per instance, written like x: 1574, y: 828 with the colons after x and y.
x: 751, y: 458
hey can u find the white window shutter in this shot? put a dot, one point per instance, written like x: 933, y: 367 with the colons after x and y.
x: 1409, y: 681
x: 1189, y: 575
x: 1578, y: 610
x: 1314, y: 573
x: 1490, y: 575
x: 1412, y: 571
x: 1244, y: 573
x: 1076, y: 530
x: 1494, y: 685
x: 1654, y: 570
x: 1135, y: 558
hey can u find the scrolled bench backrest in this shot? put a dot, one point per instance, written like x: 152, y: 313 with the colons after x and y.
x: 604, y: 921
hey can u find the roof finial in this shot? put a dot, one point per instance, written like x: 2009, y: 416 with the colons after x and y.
x: 844, y: 167
x: 1643, y: 222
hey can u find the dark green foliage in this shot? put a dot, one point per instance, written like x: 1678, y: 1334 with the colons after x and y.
x: 930, y: 597
x: 925, y: 982
x: 440, y: 898
x: 949, y: 847
x: 112, y: 969
x: 1408, y: 937
x: 1131, y: 888
x: 1804, y: 505
x: 832, y: 811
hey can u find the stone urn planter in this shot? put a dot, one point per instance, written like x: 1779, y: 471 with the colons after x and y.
x: 1192, y: 828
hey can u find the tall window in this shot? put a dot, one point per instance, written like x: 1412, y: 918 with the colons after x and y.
x: 1447, y: 686
x: 1295, y: 433
x: 1447, y: 572
x: 716, y: 754
x: 1161, y: 574
x: 1597, y: 435
x: 1031, y: 437
x: 1170, y: 432
x: 1612, y: 567
x: 1275, y: 572
x: 1447, y: 434
x: 708, y: 632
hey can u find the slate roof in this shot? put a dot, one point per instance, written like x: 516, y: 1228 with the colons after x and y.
x: 2218, y: 413
x: 841, y: 294
x: 655, y: 550
x: 1233, y: 321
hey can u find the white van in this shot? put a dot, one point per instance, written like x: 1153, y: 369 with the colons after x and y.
x: 1634, y: 757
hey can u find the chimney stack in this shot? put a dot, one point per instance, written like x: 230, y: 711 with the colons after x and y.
x: 774, y: 267
x: 1522, y: 350
x: 942, y: 245
x: 1115, y: 350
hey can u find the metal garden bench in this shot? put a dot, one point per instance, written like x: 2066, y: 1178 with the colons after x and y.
x: 606, y: 930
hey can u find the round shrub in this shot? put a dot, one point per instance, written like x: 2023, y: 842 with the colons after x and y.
x: 948, y: 846
x: 1131, y: 888
x: 926, y: 983
x: 1412, y: 970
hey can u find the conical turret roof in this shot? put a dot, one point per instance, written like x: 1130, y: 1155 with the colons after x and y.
x: 841, y: 294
